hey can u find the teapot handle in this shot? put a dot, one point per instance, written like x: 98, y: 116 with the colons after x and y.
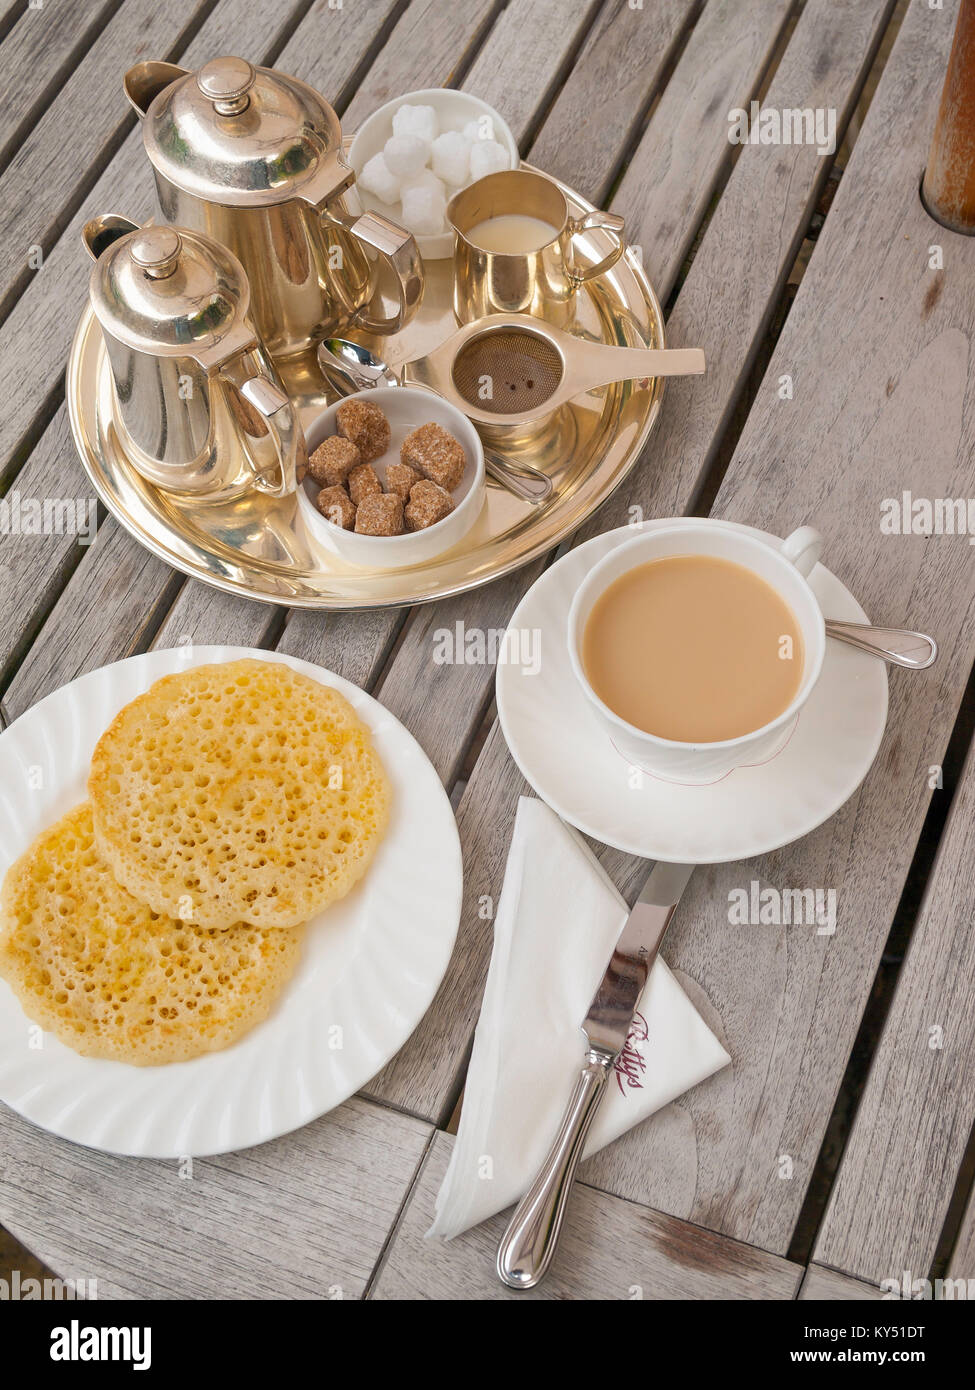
x: 398, y: 249
x: 278, y: 413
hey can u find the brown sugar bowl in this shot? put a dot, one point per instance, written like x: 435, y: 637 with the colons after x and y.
x: 407, y: 408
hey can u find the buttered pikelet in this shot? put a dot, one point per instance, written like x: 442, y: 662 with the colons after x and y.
x: 112, y: 979
x: 243, y: 792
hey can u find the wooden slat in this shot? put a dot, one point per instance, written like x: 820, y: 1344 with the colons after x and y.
x: 79, y: 127
x: 428, y: 46
x: 609, y: 1249
x: 724, y: 302
x: 913, y: 1123
x: 828, y: 1286
x: 529, y: 48
x: 684, y: 153
x: 962, y: 1262
x: 305, y: 1216
x: 36, y: 55
x: 606, y: 94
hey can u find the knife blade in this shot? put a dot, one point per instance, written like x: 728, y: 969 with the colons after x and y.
x: 614, y: 1003
x: 529, y: 1243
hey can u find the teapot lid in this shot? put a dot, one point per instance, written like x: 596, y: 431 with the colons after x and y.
x: 172, y: 292
x: 241, y: 135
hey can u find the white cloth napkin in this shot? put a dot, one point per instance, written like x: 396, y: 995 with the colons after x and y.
x: 556, y: 924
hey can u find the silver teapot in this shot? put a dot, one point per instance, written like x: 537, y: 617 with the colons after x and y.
x: 199, y: 406
x: 254, y: 159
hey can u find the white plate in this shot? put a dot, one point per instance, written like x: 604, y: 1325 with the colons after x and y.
x: 566, y: 755
x: 369, y: 968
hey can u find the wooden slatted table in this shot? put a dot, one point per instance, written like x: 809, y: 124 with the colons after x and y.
x: 835, y: 1152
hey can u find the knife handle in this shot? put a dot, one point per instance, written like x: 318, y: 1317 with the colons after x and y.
x: 529, y: 1243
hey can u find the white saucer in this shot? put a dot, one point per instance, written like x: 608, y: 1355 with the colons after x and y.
x: 566, y: 755
x: 370, y: 964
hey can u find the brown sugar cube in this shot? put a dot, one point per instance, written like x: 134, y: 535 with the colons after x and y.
x: 436, y: 454
x: 380, y: 514
x: 333, y: 460
x: 366, y: 426
x: 428, y: 504
x: 336, y: 506
x: 363, y: 483
x: 400, y: 477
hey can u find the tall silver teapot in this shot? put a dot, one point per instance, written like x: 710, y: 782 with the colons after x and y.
x: 198, y: 404
x: 254, y: 159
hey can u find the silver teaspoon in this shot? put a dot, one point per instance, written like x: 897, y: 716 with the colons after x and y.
x: 352, y: 367
x: 898, y: 645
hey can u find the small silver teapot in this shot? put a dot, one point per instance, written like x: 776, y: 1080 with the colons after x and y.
x: 199, y: 407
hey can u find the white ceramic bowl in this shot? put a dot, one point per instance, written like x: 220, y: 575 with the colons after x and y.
x: 405, y: 407
x: 454, y: 110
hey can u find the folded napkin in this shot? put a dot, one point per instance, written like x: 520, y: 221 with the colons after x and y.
x: 555, y: 928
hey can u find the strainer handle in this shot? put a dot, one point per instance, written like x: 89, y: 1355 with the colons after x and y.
x: 605, y: 221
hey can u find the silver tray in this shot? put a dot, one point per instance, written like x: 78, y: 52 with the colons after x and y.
x: 262, y: 549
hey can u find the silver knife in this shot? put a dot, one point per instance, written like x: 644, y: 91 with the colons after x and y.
x: 528, y: 1245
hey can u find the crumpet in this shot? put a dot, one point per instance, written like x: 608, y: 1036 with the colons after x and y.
x: 242, y: 792
x: 110, y: 978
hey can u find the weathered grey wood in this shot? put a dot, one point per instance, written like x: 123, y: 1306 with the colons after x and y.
x: 962, y: 1262
x: 203, y: 615
x: 901, y: 1161
x: 34, y: 568
x: 828, y: 1286
x: 609, y: 1249
x: 86, y: 117
x: 429, y: 45
x: 305, y: 1216
x: 35, y: 338
x: 725, y: 301
x: 672, y: 176
x: 529, y: 48
x: 603, y: 100
x: 100, y: 617
x: 354, y: 645
x: 37, y: 55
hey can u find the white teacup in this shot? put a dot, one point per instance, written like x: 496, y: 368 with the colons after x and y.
x: 785, y: 569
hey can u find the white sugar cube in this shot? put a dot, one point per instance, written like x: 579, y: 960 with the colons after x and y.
x: 488, y: 157
x: 480, y: 129
x: 425, y: 179
x: 416, y: 120
x: 452, y: 157
x: 424, y: 209
x: 377, y: 178
x: 405, y: 155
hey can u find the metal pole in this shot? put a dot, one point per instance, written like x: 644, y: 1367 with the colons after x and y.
x: 949, y: 180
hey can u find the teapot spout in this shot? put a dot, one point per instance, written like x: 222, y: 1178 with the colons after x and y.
x: 100, y: 232
x: 143, y: 83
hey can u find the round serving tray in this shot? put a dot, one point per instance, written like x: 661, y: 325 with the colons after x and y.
x: 261, y: 549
